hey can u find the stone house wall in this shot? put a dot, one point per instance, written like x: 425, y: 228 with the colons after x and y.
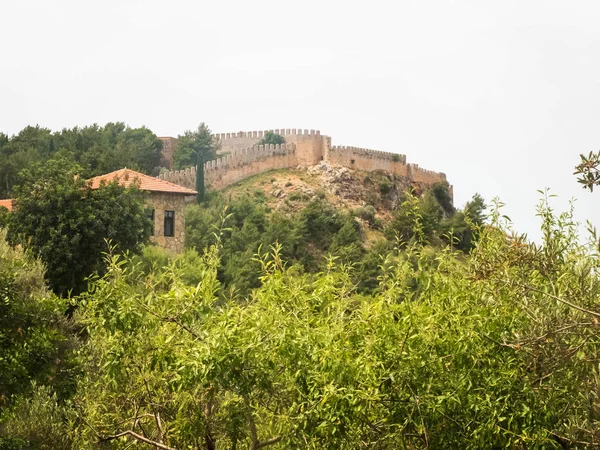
x: 162, y: 202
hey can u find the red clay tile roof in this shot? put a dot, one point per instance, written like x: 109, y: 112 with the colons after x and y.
x: 126, y: 177
x: 7, y: 204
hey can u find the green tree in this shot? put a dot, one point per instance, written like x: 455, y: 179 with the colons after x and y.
x: 462, y: 229
x: 97, y: 149
x: 67, y: 224
x: 494, y: 350
x: 441, y: 192
x: 194, y: 148
x: 271, y: 138
x: 194, y: 144
x: 4, y: 217
x: 346, y: 244
x: 34, y: 338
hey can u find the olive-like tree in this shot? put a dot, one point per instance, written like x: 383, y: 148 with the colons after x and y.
x: 68, y: 225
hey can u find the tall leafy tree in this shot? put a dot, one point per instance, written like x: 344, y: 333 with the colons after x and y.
x: 194, y: 148
x: 98, y: 149
x: 193, y: 144
x: 67, y: 224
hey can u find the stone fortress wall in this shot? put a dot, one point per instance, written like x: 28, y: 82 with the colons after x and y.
x: 241, y: 157
x: 168, y: 148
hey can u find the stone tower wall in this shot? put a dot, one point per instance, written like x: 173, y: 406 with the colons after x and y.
x: 311, y: 146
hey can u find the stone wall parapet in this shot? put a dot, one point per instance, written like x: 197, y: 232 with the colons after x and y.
x: 249, y: 155
x: 261, y: 133
x: 241, y: 157
x: 396, y: 157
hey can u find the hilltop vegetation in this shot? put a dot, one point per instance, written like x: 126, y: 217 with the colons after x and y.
x: 96, y: 149
x: 355, y: 217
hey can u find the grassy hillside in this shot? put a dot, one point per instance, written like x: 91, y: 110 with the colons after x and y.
x: 360, y: 194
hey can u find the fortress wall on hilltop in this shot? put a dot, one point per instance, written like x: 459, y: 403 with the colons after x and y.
x: 241, y: 158
x: 368, y: 160
x: 424, y: 176
x: 237, y: 166
x: 311, y: 146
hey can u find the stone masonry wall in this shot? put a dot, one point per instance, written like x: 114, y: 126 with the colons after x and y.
x: 241, y: 158
x: 242, y: 164
x: 169, y: 144
x: 310, y: 144
x: 424, y: 176
x: 368, y: 160
x: 162, y: 202
x: 236, y: 166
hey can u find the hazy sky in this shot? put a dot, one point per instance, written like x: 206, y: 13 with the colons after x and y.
x: 502, y: 96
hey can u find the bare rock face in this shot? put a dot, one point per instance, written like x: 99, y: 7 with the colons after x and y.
x: 337, y: 180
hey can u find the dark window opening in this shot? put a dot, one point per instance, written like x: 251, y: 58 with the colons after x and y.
x: 170, y: 223
x: 351, y: 161
x: 150, y: 216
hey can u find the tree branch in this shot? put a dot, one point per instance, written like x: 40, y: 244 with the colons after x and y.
x: 138, y: 437
x: 561, y: 300
x: 268, y: 442
x: 256, y: 444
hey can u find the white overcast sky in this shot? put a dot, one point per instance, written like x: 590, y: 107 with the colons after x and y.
x: 502, y: 96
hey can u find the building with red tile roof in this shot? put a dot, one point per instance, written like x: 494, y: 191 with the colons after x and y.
x: 127, y: 177
x: 8, y: 204
x: 165, y: 203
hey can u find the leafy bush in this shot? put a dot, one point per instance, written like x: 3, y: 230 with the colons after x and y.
x: 271, y: 138
x: 34, y: 336
x: 497, y: 350
x: 366, y: 213
x: 298, y: 196
x: 385, y: 187
x: 37, y: 422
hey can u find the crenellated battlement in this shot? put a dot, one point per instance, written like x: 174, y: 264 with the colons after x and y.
x: 249, y: 155
x: 368, y: 153
x: 241, y: 156
x: 261, y: 134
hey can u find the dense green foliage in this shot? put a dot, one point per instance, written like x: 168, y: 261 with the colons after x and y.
x: 310, y: 229
x: 271, y: 138
x: 96, y: 149
x: 68, y: 225
x: 36, y: 351
x: 194, y: 145
x: 295, y: 324
x: 496, y: 350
